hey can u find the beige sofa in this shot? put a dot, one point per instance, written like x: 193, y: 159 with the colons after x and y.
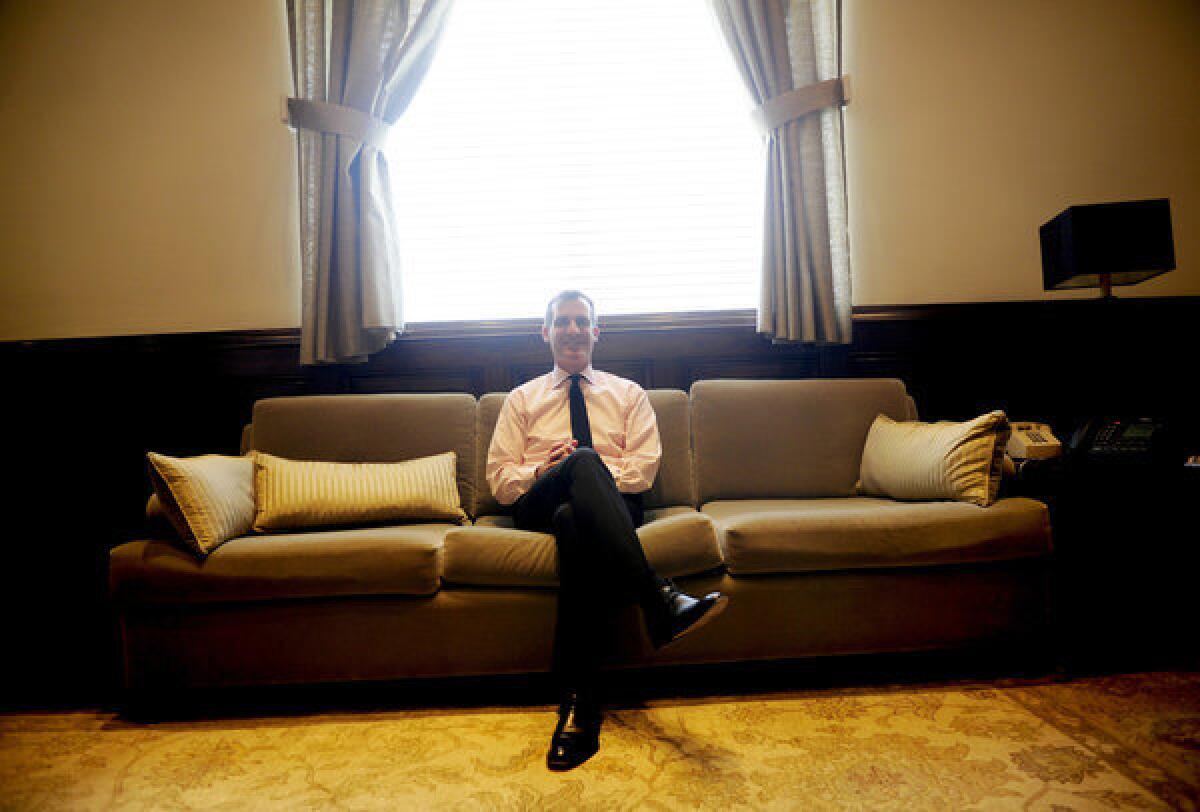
x: 755, y: 497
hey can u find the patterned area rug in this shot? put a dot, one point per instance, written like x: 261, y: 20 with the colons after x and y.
x: 1121, y: 742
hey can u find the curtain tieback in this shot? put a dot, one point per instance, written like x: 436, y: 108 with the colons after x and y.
x: 337, y: 120
x: 779, y: 110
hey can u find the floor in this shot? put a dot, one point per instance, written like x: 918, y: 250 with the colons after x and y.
x: 1118, y: 741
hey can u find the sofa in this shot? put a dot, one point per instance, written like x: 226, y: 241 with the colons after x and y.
x: 756, y: 496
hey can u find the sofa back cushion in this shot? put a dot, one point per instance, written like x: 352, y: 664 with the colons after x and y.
x: 786, y: 439
x: 370, y: 428
x: 487, y: 413
x: 672, y: 486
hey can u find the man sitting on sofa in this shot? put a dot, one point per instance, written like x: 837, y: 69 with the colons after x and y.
x: 572, y: 453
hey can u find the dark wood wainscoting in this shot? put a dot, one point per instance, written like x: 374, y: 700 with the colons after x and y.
x: 83, y: 412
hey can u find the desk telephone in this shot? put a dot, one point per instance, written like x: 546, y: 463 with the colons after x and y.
x: 1119, y: 439
x: 1100, y: 439
x: 1032, y: 441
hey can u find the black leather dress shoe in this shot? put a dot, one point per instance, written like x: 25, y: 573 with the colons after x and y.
x: 673, y: 614
x: 577, y: 736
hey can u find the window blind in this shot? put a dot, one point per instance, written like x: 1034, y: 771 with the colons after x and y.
x: 605, y: 146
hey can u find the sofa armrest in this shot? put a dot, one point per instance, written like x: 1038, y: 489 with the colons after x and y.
x: 157, y: 525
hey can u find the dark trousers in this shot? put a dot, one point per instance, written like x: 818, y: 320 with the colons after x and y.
x: 601, y: 564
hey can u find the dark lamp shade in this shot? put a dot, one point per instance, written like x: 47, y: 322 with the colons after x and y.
x: 1130, y: 241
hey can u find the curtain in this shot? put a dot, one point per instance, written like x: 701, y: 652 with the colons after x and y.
x: 357, y: 65
x: 787, y: 54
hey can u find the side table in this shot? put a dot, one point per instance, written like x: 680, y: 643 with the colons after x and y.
x: 1126, y: 561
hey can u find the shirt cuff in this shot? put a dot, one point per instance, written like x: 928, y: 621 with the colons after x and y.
x: 518, y: 483
x: 525, y: 478
x: 626, y: 478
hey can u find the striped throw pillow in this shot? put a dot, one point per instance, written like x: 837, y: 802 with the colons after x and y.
x: 957, y: 461
x: 300, y: 493
x: 208, y: 499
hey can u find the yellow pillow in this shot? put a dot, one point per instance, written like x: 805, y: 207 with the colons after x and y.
x: 300, y: 493
x: 208, y: 499
x: 959, y: 461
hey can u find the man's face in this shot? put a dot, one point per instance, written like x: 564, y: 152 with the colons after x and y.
x: 572, y: 335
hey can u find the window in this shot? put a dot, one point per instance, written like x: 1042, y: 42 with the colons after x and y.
x: 604, y: 145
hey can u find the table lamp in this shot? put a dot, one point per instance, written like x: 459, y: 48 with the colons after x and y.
x: 1106, y: 244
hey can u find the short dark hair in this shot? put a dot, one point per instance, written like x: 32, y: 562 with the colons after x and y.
x: 568, y: 296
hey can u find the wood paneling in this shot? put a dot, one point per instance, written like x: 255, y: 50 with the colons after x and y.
x: 83, y: 412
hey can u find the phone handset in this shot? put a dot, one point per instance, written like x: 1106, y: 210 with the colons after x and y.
x: 1032, y: 441
x: 1083, y: 437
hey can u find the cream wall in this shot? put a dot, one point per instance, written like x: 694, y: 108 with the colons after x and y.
x: 973, y: 122
x: 146, y: 183
x: 146, y: 180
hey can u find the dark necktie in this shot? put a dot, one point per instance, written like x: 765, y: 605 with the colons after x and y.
x: 581, y: 429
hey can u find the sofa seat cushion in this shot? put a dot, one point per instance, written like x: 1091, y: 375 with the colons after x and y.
x: 817, y: 535
x: 651, y: 515
x: 386, y: 560
x: 494, y: 553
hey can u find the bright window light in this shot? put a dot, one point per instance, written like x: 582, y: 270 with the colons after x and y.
x: 604, y: 145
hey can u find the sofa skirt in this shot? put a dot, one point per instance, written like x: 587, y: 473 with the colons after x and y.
x: 463, y: 631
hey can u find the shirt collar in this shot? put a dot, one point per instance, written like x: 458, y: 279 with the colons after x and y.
x: 559, y: 375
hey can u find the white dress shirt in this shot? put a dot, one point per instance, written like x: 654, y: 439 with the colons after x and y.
x: 536, y: 415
